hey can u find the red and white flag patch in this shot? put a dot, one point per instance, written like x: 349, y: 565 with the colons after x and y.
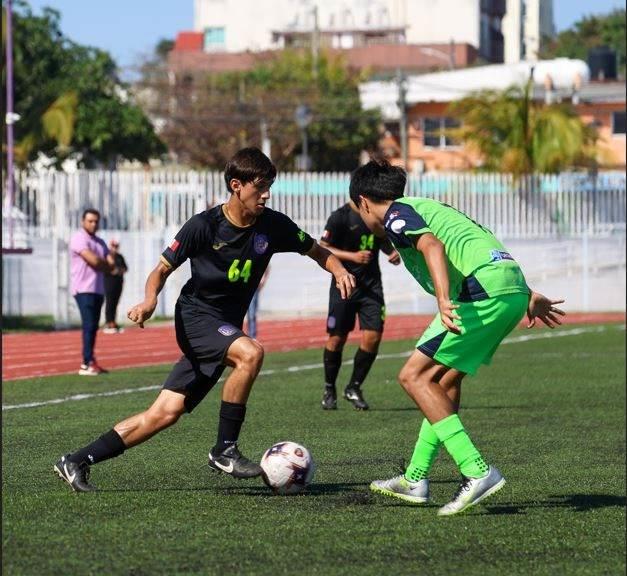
x: 175, y: 244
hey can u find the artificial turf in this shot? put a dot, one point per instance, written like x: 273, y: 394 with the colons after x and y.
x: 550, y: 413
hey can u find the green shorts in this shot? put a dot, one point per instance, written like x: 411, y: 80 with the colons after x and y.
x: 484, y: 323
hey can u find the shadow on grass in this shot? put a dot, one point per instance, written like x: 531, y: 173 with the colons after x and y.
x: 464, y: 408
x: 576, y: 502
x: 250, y: 490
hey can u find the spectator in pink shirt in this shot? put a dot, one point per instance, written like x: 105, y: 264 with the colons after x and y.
x: 90, y: 259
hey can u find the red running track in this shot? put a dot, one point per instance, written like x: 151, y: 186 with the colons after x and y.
x: 28, y: 355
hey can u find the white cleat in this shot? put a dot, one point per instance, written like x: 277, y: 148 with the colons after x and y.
x: 400, y: 487
x: 472, y: 491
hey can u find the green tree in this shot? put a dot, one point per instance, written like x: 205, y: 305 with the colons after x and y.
x: 70, y: 99
x: 216, y: 114
x: 518, y: 135
x: 590, y: 32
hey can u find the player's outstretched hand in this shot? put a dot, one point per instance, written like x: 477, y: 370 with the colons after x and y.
x: 141, y: 312
x: 345, y: 283
x: 362, y: 256
x: 544, y: 308
x: 394, y: 258
x: 448, y: 315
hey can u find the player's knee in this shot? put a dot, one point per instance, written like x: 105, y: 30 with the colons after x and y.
x: 252, y: 354
x: 412, y: 382
x: 336, y: 342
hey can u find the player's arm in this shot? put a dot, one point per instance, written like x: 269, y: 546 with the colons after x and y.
x: 344, y: 280
x: 388, y: 249
x: 359, y: 257
x: 435, y: 257
x: 102, y: 264
x: 544, y: 308
x: 154, y: 284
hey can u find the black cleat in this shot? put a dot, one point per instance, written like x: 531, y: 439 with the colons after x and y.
x: 329, y: 399
x: 76, y: 475
x: 230, y: 461
x: 356, y: 398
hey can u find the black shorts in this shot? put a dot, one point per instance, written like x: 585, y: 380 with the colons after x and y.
x: 204, y: 341
x: 366, y: 302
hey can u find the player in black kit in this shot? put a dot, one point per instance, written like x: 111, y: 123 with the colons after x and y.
x: 347, y: 237
x: 229, y: 247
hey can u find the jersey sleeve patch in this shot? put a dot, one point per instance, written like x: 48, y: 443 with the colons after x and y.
x: 186, y: 242
x: 402, y: 221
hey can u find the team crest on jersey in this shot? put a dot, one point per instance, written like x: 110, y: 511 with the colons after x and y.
x: 397, y: 225
x: 260, y: 243
x: 227, y: 330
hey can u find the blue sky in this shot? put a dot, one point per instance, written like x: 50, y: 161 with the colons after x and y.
x: 129, y: 29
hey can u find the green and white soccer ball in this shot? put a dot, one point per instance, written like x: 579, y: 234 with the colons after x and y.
x: 288, y: 468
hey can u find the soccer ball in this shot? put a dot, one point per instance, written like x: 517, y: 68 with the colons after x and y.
x: 287, y: 468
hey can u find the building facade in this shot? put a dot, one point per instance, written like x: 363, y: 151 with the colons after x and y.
x: 250, y: 25
x: 428, y: 98
x: 525, y: 25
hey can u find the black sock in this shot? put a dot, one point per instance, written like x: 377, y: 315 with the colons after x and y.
x: 332, y: 364
x: 109, y: 445
x: 231, y: 420
x: 361, y: 366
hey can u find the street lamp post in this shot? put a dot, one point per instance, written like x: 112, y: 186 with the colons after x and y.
x: 10, y: 118
x: 303, y: 118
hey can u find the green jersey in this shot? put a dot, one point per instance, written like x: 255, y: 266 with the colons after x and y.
x: 479, y: 266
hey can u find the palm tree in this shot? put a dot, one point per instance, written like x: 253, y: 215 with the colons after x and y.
x: 56, y: 126
x: 516, y: 135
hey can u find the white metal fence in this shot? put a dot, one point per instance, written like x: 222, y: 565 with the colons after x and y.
x: 544, y: 205
x: 568, y: 232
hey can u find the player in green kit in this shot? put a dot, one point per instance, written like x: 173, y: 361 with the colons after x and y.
x: 482, y: 295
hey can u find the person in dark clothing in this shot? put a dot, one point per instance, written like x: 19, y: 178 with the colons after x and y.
x: 347, y: 237
x: 113, y: 284
x: 229, y: 248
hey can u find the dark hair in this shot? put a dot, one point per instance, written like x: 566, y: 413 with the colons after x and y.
x: 249, y: 165
x: 378, y: 181
x: 90, y: 211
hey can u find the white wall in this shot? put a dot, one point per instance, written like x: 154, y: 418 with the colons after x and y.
x: 538, y: 23
x: 512, y: 31
x: 590, y: 275
x: 440, y: 21
x: 524, y: 35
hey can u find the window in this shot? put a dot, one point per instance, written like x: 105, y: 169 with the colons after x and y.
x: 435, y: 132
x: 214, y: 40
x: 618, y: 123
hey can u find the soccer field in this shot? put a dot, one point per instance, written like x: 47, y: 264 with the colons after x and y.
x: 549, y: 412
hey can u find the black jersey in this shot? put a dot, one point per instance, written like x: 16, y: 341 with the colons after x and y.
x: 345, y: 230
x: 227, y: 261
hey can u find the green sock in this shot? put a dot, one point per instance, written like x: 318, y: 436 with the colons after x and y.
x: 424, y: 454
x: 451, y: 433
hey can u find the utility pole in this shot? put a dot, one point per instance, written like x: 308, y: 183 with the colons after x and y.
x: 402, y: 106
x: 266, y: 146
x: 303, y: 117
x: 315, y: 43
x: 10, y: 118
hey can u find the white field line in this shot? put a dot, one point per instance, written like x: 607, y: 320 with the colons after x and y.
x: 303, y: 367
